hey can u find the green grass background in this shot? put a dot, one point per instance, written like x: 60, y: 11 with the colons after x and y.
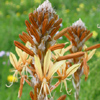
x: 13, y: 14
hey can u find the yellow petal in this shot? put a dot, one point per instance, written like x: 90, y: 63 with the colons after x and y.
x: 84, y: 47
x: 20, y: 53
x: 54, y: 68
x: 25, y: 55
x: 19, y: 62
x: 38, y: 67
x: 57, y: 52
x: 29, y: 60
x: 47, y: 61
x: 62, y: 52
x: 91, y: 54
x: 13, y: 60
x: 51, y: 64
x: 28, y: 44
x: 72, y: 69
x: 68, y: 48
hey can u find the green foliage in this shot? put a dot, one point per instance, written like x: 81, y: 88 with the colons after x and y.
x: 13, y: 14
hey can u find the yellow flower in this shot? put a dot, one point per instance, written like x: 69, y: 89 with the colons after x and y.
x: 31, y: 10
x: 25, y: 12
x: 62, y: 70
x: 22, y: 63
x: 98, y: 53
x: 81, y: 5
x: 22, y: 1
x: 11, y: 78
x: 1, y: 14
x: 37, y: 1
x: 60, y: 52
x: 78, y: 9
x: 8, y: 16
x: 94, y: 8
x: 67, y: 10
x: 95, y: 34
x: 17, y: 14
x: 7, y: 2
x: 17, y: 6
x: 48, y: 70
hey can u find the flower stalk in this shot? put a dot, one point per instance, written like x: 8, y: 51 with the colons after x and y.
x: 77, y: 34
x: 41, y: 57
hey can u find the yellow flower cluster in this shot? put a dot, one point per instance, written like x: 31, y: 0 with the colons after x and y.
x: 1, y: 14
x: 18, y: 14
x: 95, y: 34
x: 81, y: 6
x: 37, y: 1
x: 11, y: 78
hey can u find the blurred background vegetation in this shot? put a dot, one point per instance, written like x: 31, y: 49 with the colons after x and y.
x: 13, y: 14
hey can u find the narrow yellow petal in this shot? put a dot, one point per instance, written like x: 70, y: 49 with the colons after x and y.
x: 54, y: 68
x: 25, y: 55
x: 20, y: 53
x: 57, y: 52
x: 19, y: 62
x: 84, y: 47
x: 51, y: 64
x: 68, y: 48
x: 13, y: 60
x: 38, y: 67
x: 28, y: 44
x: 91, y: 54
x: 47, y: 61
x: 72, y: 69
x: 29, y: 60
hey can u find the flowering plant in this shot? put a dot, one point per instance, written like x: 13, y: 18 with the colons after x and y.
x: 42, y: 57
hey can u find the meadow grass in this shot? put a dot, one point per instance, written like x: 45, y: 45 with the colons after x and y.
x: 13, y: 14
